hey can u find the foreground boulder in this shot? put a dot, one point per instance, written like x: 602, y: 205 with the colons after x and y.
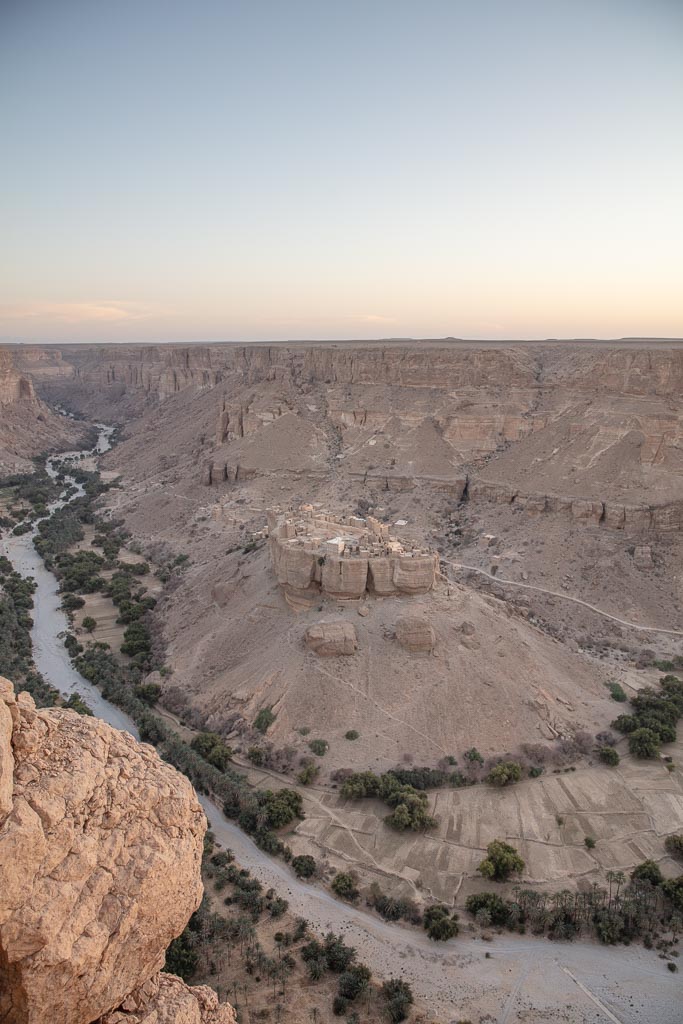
x: 100, y: 854
x: 330, y: 639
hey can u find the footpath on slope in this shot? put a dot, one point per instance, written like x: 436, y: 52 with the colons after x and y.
x: 460, y: 566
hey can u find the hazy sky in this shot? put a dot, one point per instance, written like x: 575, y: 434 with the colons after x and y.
x: 209, y: 169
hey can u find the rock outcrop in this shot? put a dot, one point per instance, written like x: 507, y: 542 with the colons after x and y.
x: 415, y: 634
x: 314, y: 554
x: 331, y: 639
x: 100, y: 853
x: 166, y: 999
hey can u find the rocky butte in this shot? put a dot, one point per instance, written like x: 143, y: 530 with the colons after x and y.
x: 316, y: 554
x: 100, y: 847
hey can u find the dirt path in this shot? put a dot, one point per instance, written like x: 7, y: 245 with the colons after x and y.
x: 562, y: 597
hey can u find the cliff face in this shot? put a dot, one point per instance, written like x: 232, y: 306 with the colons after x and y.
x: 100, y: 852
x: 546, y: 426
x: 15, y: 388
x: 162, y: 370
x: 27, y: 426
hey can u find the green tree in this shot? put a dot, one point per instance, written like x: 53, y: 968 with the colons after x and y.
x: 89, y: 624
x: 439, y: 923
x: 354, y: 981
x: 608, y: 756
x: 308, y: 774
x: 504, y: 774
x: 211, y: 747
x: 674, y: 846
x: 319, y: 747
x: 673, y: 887
x: 648, y: 871
x: 344, y: 886
x: 501, y: 861
x: 399, y: 998
x: 498, y: 909
x: 304, y: 865
x: 643, y: 743
x: 181, y: 956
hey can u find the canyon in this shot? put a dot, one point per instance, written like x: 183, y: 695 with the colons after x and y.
x: 541, y: 485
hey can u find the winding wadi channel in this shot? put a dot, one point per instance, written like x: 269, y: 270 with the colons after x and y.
x: 512, y: 978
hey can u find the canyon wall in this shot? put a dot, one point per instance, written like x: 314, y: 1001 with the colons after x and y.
x: 591, y: 430
x: 27, y: 426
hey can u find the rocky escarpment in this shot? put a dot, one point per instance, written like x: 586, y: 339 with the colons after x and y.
x: 100, y: 852
x: 592, y: 429
x: 27, y: 426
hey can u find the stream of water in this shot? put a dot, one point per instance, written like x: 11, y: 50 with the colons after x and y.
x: 578, y: 982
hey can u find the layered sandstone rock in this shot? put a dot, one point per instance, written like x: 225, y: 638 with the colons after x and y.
x: 100, y: 852
x: 632, y: 519
x: 165, y: 999
x: 345, y: 577
x: 14, y: 386
x: 27, y: 426
x: 415, y: 634
x: 331, y: 639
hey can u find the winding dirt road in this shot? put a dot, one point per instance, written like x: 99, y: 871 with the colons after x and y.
x: 563, y: 597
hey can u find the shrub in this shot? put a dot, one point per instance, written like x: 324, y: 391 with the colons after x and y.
x: 264, y: 720
x: 496, y: 907
x: 674, y: 846
x: 589, y: 842
x: 211, y: 747
x: 609, y: 756
x: 319, y: 747
x: 304, y: 866
x: 354, y: 982
x: 616, y: 692
x: 344, y: 886
x: 351, y: 735
x: 473, y: 756
x: 257, y: 756
x: 308, y: 774
x: 410, y: 811
x: 439, y: 923
x: 643, y: 743
x: 501, y: 861
x: 673, y: 888
x: 393, y: 908
x: 504, y: 774
x: 399, y: 998
x: 148, y: 693
x: 281, y: 807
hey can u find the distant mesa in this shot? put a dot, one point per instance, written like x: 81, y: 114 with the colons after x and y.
x: 316, y: 554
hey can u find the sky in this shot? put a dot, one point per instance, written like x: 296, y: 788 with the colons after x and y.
x: 302, y: 169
